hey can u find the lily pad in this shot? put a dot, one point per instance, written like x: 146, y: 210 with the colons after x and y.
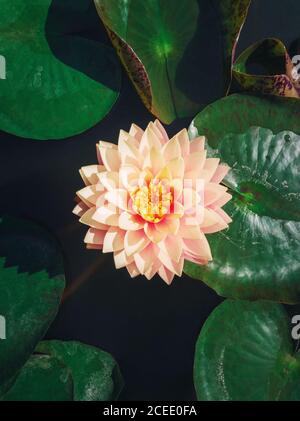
x: 42, y: 378
x: 274, y: 73
x: 245, y: 353
x: 160, y: 46
x: 95, y: 373
x: 31, y: 284
x: 257, y: 257
x: 58, y: 83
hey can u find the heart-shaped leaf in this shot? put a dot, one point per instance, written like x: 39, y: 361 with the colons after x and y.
x: 275, y: 73
x: 31, y: 285
x: 58, y: 83
x: 258, y: 255
x: 160, y: 46
x: 42, y: 378
x: 245, y: 353
x: 95, y: 373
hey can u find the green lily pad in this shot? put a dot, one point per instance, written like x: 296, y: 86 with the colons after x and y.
x: 58, y: 82
x: 275, y: 73
x: 257, y: 257
x: 31, y: 284
x: 95, y: 373
x: 42, y: 378
x: 245, y: 353
x: 159, y: 45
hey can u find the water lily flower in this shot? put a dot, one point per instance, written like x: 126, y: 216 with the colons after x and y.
x: 151, y: 201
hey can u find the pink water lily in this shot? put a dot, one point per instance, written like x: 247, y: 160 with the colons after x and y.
x: 150, y: 201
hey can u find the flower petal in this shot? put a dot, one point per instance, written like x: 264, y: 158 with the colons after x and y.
x: 189, y: 228
x: 129, y: 222
x: 199, y: 247
x: 152, y: 233
x: 146, y: 257
x: 136, y: 132
x: 113, y: 240
x: 175, y: 267
x: 109, y: 179
x: 184, y: 142
x: 121, y: 259
x: 172, y: 246
x: 154, y: 161
x: 129, y: 176
x: 195, y: 160
x: 197, y: 144
x: 135, y: 241
x: 176, y: 167
x: 132, y: 270
x: 166, y: 275
x: 80, y: 208
x: 213, y: 192
x: 107, y: 215
x: 118, y: 197
x: 220, y: 173
x: 87, y: 219
x: 160, y: 127
x: 94, y: 236
x: 110, y: 156
x: 168, y: 225
x: 129, y: 153
x: 90, y: 173
x: 91, y: 194
x: 148, y: 141
x: 171, y: 150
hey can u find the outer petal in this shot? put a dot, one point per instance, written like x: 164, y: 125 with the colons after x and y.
x: 166, y: 275
x: 113, y: 240
x: 199, y: 248
x: 119, y: 198
x: 109, y: 179
x: 184, y: 142
x: 135, y: 241
x: 197, y: 144
x: 136, y: 132
x: 164, y: 135
x: 213, y: 192
x: 87, y: 219
x: 148, y: 141
x: 90, y: 173
x: 172, y: 246
x: 122, y: 259
x: 107, y: 215
x: 171, y: 150
x: 145, y: 258
x: 129, y: 153
x: 133, y: 270
x: 220, y: 173
x: 91, y: 194
x: 175, y: 267
x: 80, y: 208
x: 154, y: 161
x: 94, y: 236
x: 110, y: 156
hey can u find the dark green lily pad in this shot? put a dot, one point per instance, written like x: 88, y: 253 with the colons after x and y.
x: 245, y: 353
x: 31, y: 284
x: 58, y: 82
x: 95, y: 373
x: 274, y: 74
x: 159, y: 45
x: 258, y: 255
x: 42, y: 378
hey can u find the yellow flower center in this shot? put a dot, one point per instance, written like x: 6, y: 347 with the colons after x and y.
x: 153, y: 201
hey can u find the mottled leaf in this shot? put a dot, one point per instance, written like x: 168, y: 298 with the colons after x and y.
x: 58, y: 82
x: 258, y: 255
x: 161, y: 45
x: 42, y: 378
x: 267, y: 68
x: 31, y: 284
x: 95, y: 373
x: 245, y: 353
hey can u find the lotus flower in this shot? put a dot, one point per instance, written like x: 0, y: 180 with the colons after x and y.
x: 150, y: 201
